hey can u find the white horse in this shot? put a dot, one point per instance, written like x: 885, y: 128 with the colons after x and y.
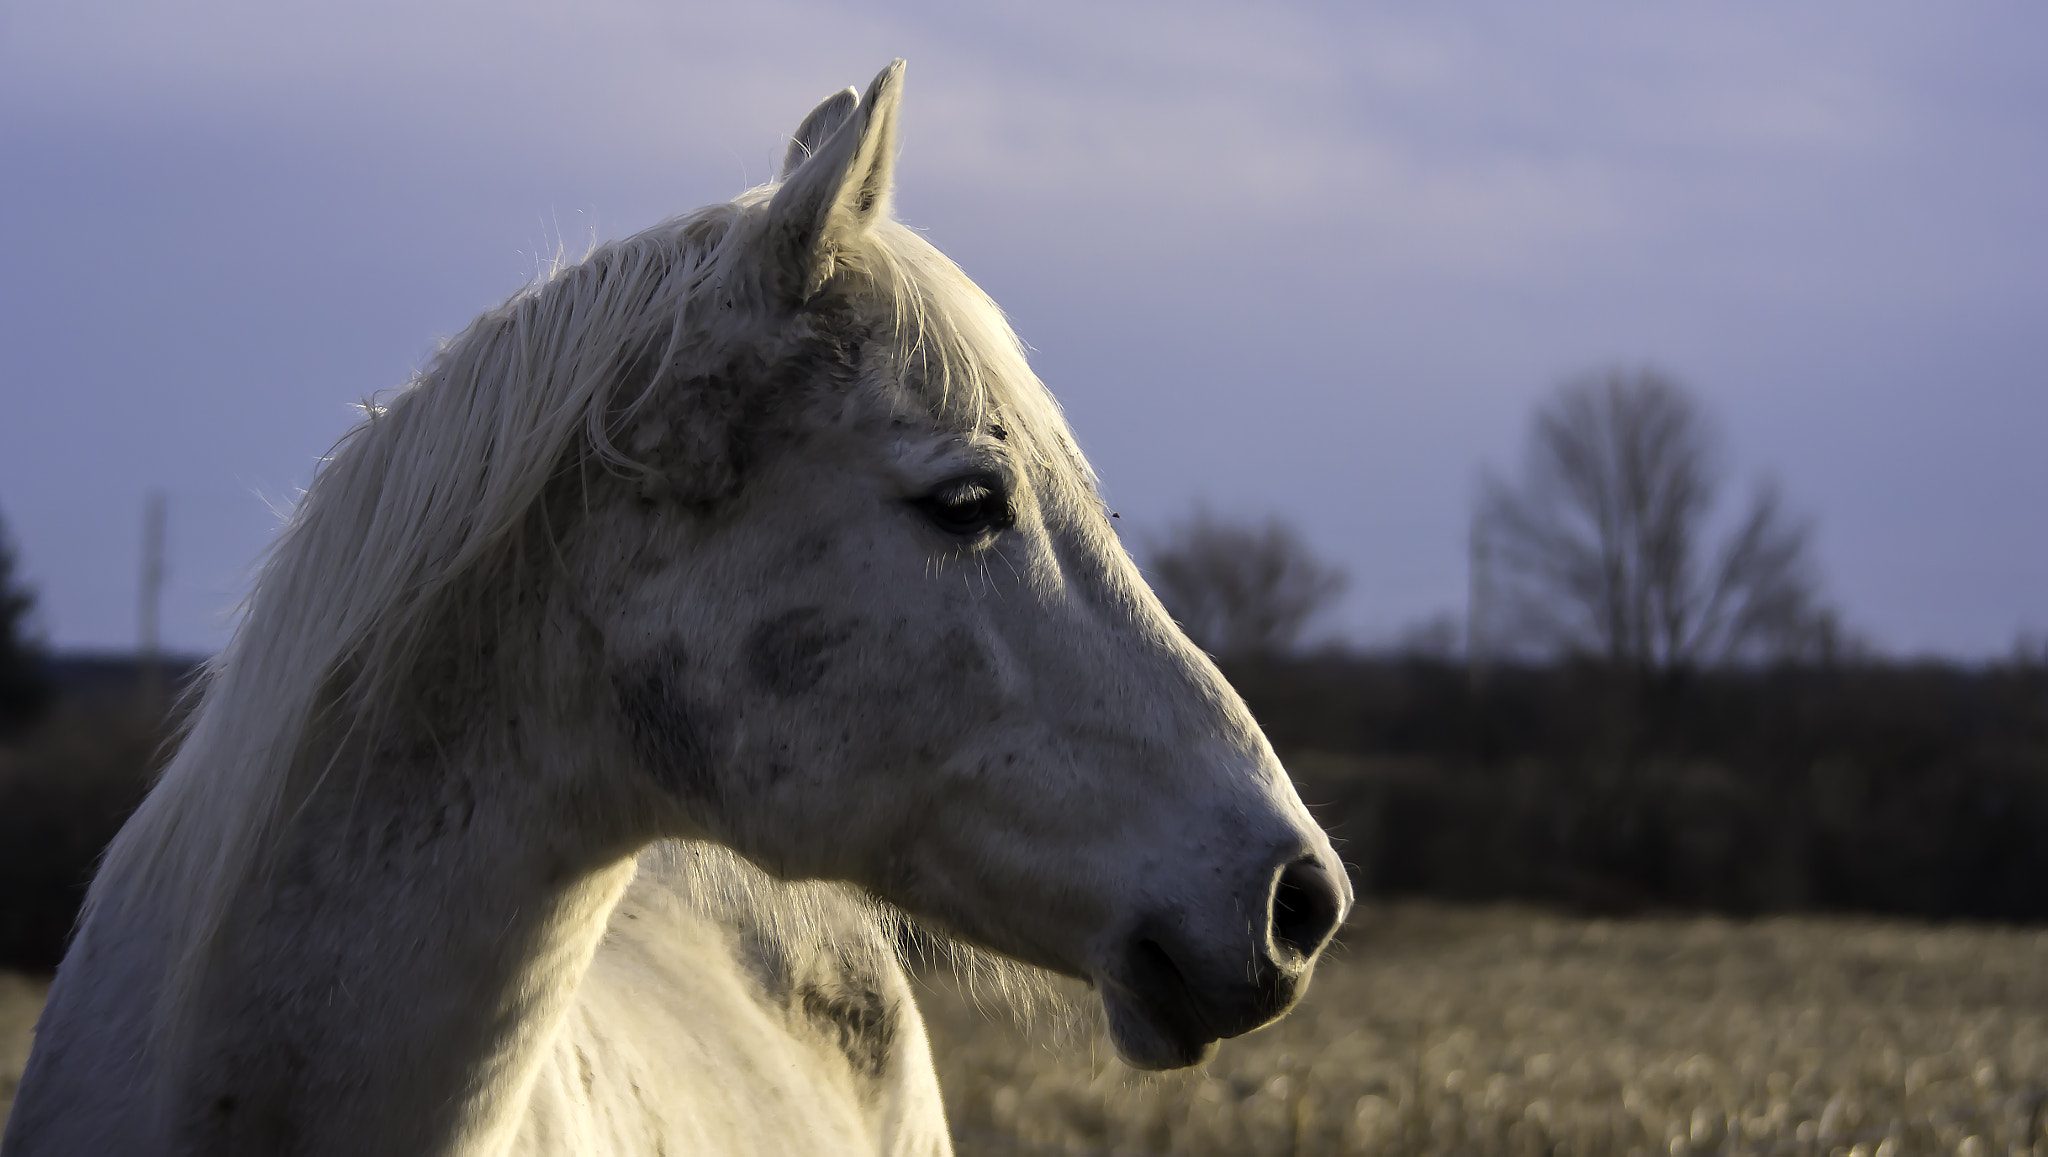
x: 692, y: 613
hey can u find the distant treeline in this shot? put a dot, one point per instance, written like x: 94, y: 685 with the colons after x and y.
x: 68, y: 781
x: 1900, y: 788
x: 1903, y: 788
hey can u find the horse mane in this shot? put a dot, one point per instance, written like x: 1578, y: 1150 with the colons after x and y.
x: 436, y: 488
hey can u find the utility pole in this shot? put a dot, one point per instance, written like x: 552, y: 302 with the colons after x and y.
x: 1479, y: 596
x: 149, y: 614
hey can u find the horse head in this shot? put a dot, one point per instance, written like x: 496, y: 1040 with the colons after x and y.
x: 862, y: 616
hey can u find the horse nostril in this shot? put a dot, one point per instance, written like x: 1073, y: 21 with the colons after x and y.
x: 1305, y: 909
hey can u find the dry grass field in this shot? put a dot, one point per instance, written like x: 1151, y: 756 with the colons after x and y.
x: 1509, y: 1031
x: 20, y: 1000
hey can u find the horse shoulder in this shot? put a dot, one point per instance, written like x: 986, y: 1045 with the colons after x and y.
x: 690, y: 1033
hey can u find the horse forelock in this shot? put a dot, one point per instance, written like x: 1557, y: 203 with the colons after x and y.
x: 438, y: 486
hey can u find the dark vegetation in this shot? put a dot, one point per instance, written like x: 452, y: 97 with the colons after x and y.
x: 1915, y: 789
x: 67, y: 783
x: 24, y: 689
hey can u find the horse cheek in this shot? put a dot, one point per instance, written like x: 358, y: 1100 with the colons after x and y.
x: 665, y: 727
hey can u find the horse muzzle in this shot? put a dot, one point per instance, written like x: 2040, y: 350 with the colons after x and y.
x: 1178, y: 980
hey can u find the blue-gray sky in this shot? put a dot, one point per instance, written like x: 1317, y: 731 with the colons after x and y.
x: 1317, y: 260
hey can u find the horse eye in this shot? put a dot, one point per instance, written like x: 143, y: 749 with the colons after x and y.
x: 968, y: 506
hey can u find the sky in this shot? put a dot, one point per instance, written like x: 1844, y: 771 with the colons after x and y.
x: 1317, y: 261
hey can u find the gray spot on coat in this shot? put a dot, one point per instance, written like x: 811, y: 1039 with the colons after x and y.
x: 858, y: 1019
x: 787, y: 654
x: 664, y: 728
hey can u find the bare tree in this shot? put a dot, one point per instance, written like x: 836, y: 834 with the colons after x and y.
x: 1602, y: 546
x: 1240, y: 590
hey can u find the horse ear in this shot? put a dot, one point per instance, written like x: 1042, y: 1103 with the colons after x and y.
x: 840, y: 190
x: 817, y: 128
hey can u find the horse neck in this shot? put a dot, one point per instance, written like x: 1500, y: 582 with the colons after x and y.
x: 390, y: 978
